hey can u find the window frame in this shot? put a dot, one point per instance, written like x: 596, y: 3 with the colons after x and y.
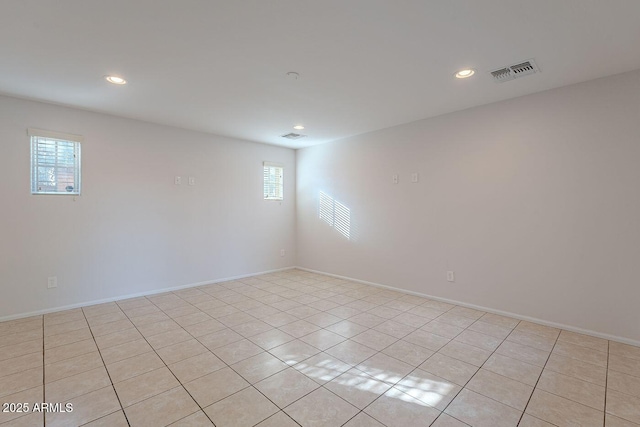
x: 35, y: 137
x: 272, y: 165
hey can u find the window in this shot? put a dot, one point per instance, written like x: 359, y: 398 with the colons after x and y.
x: 55, y: 162
x: 273, y: 188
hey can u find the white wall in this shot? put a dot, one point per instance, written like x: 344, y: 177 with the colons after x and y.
x: 533, y: 202
x: 133, y: 230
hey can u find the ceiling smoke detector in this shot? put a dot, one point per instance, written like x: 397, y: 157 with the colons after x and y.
x: 292, y: 135
x: 515, y: 71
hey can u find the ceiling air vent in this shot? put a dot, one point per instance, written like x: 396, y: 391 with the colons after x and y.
x: 293, y: 135
x: 515, y: 71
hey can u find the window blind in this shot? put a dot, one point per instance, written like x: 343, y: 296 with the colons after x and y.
x: 273, y: 181
x: 55, y: 163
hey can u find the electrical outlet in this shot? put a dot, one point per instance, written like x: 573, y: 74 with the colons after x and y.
x: 192, y: 180
x: 451, y: 276
x: 282, y: 252
x: 52, y: 282
x: 395, y: 178
x: 415, y: 177
x: 177, y: 180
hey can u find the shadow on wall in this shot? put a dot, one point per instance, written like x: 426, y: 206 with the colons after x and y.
x: 335, y: 214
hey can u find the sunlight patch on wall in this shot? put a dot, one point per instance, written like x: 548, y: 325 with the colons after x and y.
x: 326, y: 208
x: 342, y: 219
x: 335, y: 214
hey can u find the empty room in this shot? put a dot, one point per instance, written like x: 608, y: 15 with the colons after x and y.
x: 290, y: 213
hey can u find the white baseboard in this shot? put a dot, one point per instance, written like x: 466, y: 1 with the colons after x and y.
x: 138, y: 294
x: 378, y: 285
x: 487, y: 309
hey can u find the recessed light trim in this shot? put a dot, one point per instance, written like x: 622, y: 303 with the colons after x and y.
x: 298, y: 127
x: 115, y: 80
x: 464, y: 74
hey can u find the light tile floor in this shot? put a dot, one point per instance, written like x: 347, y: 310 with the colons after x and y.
x: 298, y: 348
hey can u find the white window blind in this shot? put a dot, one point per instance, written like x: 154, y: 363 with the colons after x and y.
x: 55, y: 162
x: 273, y: 181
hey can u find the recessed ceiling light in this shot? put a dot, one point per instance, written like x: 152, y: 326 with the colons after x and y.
x: 116, y: 80
x: 463, y: 74
x: 298, y: 127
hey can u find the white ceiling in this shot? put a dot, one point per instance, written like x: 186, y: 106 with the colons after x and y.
x: 220, y: 66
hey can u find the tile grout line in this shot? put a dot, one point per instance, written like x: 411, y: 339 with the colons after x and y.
x: 324, y: 328
x: 320, y: 351
x: 368, y: 328
x: 165, y: 364
x: 469, y: 380
x: 227, y: 365
x: 538, y: 380
x: 347, y: 339
x: 324, y: 311
x: 475, y: 373
x: 606, y: 384
x: 289, y: 366
x: 104, y: 364
x: 415, y: 368
x: 41, y: 365
x: 576, y: 378
x: 44, y: 418
x: 99, y: 349
x: 375, y: 354
x: 503, y: 340
x: 560, y: 373
x: 265, y: 351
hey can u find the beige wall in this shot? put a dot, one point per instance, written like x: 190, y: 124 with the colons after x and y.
x: 533, y: 202
x: 133, y: 230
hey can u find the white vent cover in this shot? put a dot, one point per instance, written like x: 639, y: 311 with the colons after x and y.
x: 515, y: 71
x: 293, y: 135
